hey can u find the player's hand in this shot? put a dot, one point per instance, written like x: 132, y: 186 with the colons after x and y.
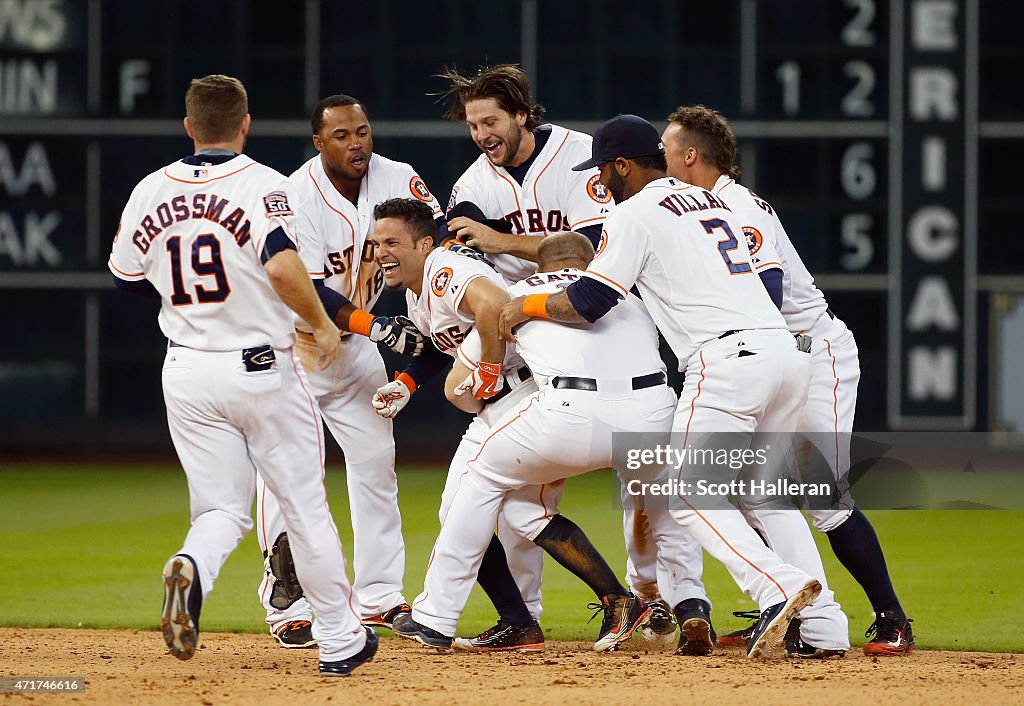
x: 328, y: 339
x: 397, y: 333
x: 511, y: 316
x: 484, y: 381
x: 390, y: 399
x: 477, y: 235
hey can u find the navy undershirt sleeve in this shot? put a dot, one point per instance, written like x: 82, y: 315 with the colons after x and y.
x: 277, y: 240
x: 142, y: 287
x: 330, y: 298
x: 442, y: 229
x: 591, y: 299
x: 772, y: 280
x: 427, y: 364
x: 593, y: 233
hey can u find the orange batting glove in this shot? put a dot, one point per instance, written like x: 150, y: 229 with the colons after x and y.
x: 485, y: 381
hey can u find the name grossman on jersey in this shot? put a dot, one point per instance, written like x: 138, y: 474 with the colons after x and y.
x: 207, y: 206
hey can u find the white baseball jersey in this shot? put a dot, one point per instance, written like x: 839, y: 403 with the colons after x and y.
x: 770, y: 246
x: 342, y: 251
x: 622, y: 344
x: 552, y: 197
x: 196, y: 233
x: 684, y: 249
x: 446, y: 275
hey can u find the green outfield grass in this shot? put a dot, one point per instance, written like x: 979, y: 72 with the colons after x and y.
x: 83, y: 547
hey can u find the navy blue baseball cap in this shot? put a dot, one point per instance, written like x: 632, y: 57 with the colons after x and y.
x: 623, y: 136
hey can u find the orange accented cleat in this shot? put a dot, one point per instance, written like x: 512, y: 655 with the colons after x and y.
x: 893, y: 635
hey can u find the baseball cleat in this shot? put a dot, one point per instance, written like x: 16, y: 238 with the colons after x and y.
x: 405, y: 626
x: 739, y: 637
x: 893, y: 635
x: 770, y: 630
x: 504, y: 637
x: 696, y: 634
x: 387, y: 618
x: 344, y: 667
x: 295, y: 634
x: 622, y: 616
x: 660, y: 627
x: 799, y: 649
x: 183, y: 599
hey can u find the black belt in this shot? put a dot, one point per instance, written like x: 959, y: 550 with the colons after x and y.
x: 590, y: 384
x: 255, y: 359
x: 828, y: 310
x: 729, y: 333
x: 522, y: 374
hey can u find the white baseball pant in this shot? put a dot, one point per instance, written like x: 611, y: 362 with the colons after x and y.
x: 827, y: 416
x: 725, y: 392
x: 343, y: 392
x: 526, y: 511
x: 553, y: 434
x: 223, y: 420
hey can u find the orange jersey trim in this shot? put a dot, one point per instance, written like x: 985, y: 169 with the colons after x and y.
x: 126, y: 274
x: 352, y: 284
x: 207, y: 181
x: 588, y: 220
x: 610, y: 281
x: 512, y: 186
x: 536, y: 181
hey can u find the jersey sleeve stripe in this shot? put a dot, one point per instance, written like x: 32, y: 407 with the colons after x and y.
x: 768, y: 264
x: 207, y: 181
x: 125, y: 275
x: 596, y: 219
x: 609, y: 280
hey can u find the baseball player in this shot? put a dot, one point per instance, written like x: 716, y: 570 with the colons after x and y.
x: 339, y: 187
x: 519, y: 190
x: 209, y: 235
x: 522, y: 182
x: 448, y: 295
x: 701, y: 148
x: 744, y: 373
x: 590, y: 387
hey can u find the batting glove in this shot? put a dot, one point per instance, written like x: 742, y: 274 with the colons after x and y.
x: 390, y: 399
x: 397, y: 333
x: 485, y: 381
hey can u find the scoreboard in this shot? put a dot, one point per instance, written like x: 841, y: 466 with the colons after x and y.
x: 885, y: 132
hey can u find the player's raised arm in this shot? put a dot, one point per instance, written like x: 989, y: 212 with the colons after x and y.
x: 483, y: 300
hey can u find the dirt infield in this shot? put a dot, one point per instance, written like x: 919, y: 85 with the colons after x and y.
x: 131, y: 667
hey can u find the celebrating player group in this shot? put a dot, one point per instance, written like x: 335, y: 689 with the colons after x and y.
x: 541, y: 294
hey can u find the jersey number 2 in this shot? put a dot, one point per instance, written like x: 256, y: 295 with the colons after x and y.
x: 208, y: 264
x: 727, y: 245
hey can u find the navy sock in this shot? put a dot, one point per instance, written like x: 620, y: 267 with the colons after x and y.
x: 496, y: 579
x: 856, y: 546
x: 570, y: 547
